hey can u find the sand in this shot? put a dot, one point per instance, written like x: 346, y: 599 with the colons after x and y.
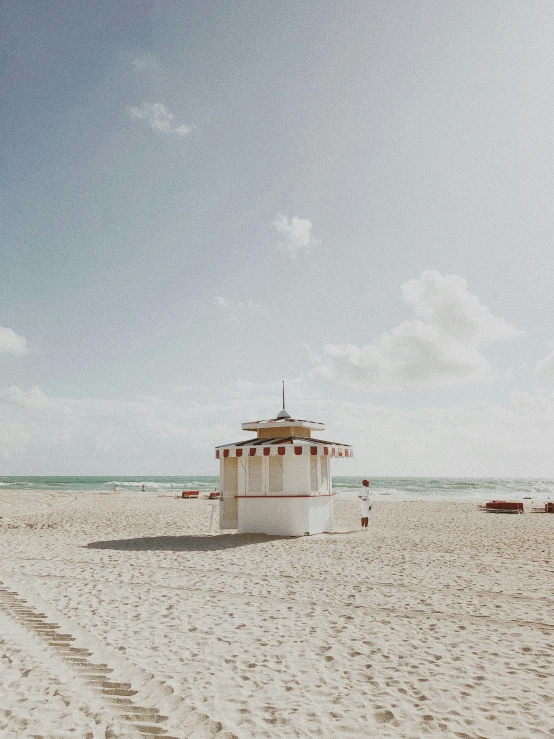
x: 120, y: 616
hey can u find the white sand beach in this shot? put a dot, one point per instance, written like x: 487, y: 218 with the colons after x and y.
x: 122, y: 616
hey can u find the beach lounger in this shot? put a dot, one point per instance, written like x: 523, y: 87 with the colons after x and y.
x: 502, y: 506
x: 190, y: 494
x: 548, y: 508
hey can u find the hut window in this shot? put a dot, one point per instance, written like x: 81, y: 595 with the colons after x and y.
x: 313, y: 473
x: 255, y: 475
x: 275, y: 474
x: 324, y: 484
x: 230, y: 475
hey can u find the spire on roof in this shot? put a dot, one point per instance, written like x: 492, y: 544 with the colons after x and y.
x: 283, y: 413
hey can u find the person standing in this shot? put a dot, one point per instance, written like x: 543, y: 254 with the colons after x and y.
x: 366, y: 502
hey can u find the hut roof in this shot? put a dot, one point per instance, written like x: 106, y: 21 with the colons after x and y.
x: 279, y: 440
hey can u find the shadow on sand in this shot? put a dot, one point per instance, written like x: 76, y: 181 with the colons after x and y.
x: 184, y: 543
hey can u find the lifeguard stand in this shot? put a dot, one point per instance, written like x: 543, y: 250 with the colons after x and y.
x: 280, y: 482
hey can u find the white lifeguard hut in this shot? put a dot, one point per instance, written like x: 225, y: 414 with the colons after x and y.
x: 280, y: 482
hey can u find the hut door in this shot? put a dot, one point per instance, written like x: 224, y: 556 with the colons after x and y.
x: 275, y: 474
x: 255, y: 477
x: 228, y: 518
x: 314, y: 484
x: 324, y: 486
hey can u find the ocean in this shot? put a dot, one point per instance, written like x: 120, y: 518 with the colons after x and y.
x: 385, y: 488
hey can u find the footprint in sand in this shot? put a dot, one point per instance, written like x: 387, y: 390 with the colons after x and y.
x: 384, y: 716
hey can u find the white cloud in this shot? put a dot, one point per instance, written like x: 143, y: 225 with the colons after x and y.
x: 11, y: 343
x: 235, y: 309
x: 145, y: 62
x: 41, y: 433
x: 444, y: 301
x: 440, y: 347
x: 159, y: 118
x: 544, y: 370
x: 49, y: 434
x: 15, y: 397
x: 509, y: 439
x: 297, y: 234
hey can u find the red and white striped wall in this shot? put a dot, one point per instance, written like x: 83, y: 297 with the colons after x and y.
x: 334, y: 450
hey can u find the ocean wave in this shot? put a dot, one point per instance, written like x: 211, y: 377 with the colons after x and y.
x: 385, y: 488
x: 140, y: 483
x: 163, y: 486
x: 475, y: 489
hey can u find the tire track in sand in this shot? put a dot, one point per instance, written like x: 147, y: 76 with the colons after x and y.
x: 120, y: 697
x: 40, y: 503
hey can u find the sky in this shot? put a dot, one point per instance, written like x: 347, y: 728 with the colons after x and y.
x: 201, y: 199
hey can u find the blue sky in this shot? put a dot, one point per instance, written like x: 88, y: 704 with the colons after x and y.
x: 200, y: 199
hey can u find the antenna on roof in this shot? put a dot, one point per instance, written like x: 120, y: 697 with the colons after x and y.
x: 283, y: 413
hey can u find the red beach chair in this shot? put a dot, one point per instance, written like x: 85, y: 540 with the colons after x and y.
x: 190, y: 494
x: 503, y: 506
x: 548, y: 508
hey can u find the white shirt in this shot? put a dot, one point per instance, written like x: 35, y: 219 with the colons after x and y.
x: 366, y: 501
